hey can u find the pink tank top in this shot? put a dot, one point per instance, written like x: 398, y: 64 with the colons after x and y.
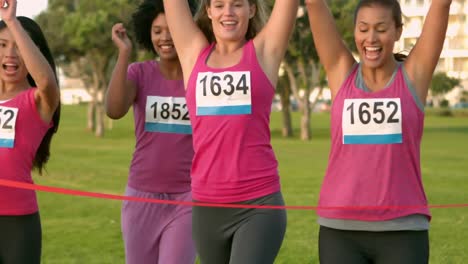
x: 163, y: 152
x: 375, y: 153
x: 21, y: 133
x: 230, y: 113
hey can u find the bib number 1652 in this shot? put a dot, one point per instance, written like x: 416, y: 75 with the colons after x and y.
x: 372, y: 121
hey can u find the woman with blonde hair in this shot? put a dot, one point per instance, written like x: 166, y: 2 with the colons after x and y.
x: 230, y: 61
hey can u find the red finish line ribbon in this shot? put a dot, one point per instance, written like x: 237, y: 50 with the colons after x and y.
x: 35, y: 187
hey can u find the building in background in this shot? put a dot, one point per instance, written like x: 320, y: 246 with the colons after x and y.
x: 72, y: 90
x: 454, y: 57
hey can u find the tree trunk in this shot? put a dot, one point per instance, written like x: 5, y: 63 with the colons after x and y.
x: 305, y: 117
x: 91, y: 114
x: 93, y: 105
x: 284, y: 92
x: 305, y: 109
x: 99, y: 132
x: 99, y: 81
x: 286, y: 129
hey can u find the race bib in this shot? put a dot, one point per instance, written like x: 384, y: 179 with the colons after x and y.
x: 167, y: 115
x: 8, y: 117
x: 372, y: 121
x: 224, y: 93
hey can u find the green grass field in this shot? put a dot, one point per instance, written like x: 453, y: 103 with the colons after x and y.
x: 87, y: 230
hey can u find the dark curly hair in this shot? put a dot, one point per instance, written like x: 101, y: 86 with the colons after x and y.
x: 143, y: 17
x: 35, y: 33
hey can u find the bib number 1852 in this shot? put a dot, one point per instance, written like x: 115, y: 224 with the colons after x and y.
x: 167, y: 115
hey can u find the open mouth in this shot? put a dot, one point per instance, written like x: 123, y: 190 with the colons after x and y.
x: 10, y: 68
x: 166, y: 47
x: 229, y: 24
x: 372, y: 53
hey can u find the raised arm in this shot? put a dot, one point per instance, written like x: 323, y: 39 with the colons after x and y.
x: 47, y: 95
x: 188, y: 38
x: 121, y: 92
x: 333, y: 53
x: 423, y: 58
x: 271, y: 43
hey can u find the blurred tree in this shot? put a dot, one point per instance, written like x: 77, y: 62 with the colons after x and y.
x: 79, y: 34
x: 440, y: 85
x: 302, y: 65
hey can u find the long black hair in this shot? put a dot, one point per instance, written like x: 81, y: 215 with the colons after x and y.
x: 37, y: 36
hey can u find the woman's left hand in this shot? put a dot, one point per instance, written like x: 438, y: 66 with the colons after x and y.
x: 8, y: 10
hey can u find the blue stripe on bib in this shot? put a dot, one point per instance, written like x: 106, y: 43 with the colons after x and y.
x: 373, y: 139
x: 6, y: 143
x: 168, y: 128
x: 225, y: 110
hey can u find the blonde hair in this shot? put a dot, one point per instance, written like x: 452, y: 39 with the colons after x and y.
x: 255, y: 24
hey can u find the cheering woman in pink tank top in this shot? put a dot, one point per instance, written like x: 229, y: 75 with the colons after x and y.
x: 376, y: 128
x: 160, y: 168
x: 29, y: 117
x: 230, y: 62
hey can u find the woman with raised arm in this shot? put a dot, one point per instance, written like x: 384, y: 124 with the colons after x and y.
x: 160, y: 168
x: 374, y: 173
x: 230, y: 60
x: 29, y: 116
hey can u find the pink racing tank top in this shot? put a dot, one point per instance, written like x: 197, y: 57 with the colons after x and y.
x: 21, y: 132
x: 374, y: 160
x: 163, y: 150
x: 230, y: 114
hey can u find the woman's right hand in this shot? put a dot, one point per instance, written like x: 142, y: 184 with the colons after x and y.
x: 120, y: 37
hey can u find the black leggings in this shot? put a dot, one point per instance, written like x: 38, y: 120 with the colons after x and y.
x: 362, y: 247
x: 20, y: 239
x: 239, y: 236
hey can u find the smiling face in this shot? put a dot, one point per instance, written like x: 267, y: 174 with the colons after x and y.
x: 230, y: 18
x: 161, y: 38
x: 375, y: 34
x: 13, y: 69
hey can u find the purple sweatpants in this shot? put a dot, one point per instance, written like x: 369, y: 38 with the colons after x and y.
x: 157, y: 233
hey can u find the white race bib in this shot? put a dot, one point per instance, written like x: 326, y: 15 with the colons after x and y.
x: 372, y: 121
x: 167, y: 115
x: 224, y: 93
x: 8, y: 117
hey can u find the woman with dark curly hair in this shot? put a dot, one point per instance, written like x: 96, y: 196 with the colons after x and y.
x: 29, y: 117
x: 160, y: 169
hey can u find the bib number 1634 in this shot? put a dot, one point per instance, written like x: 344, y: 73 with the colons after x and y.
x: 223, y: 93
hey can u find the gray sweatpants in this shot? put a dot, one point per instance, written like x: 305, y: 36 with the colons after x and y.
x: 239, y: 236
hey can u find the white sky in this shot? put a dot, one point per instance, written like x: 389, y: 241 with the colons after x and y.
x: 30, y: 8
